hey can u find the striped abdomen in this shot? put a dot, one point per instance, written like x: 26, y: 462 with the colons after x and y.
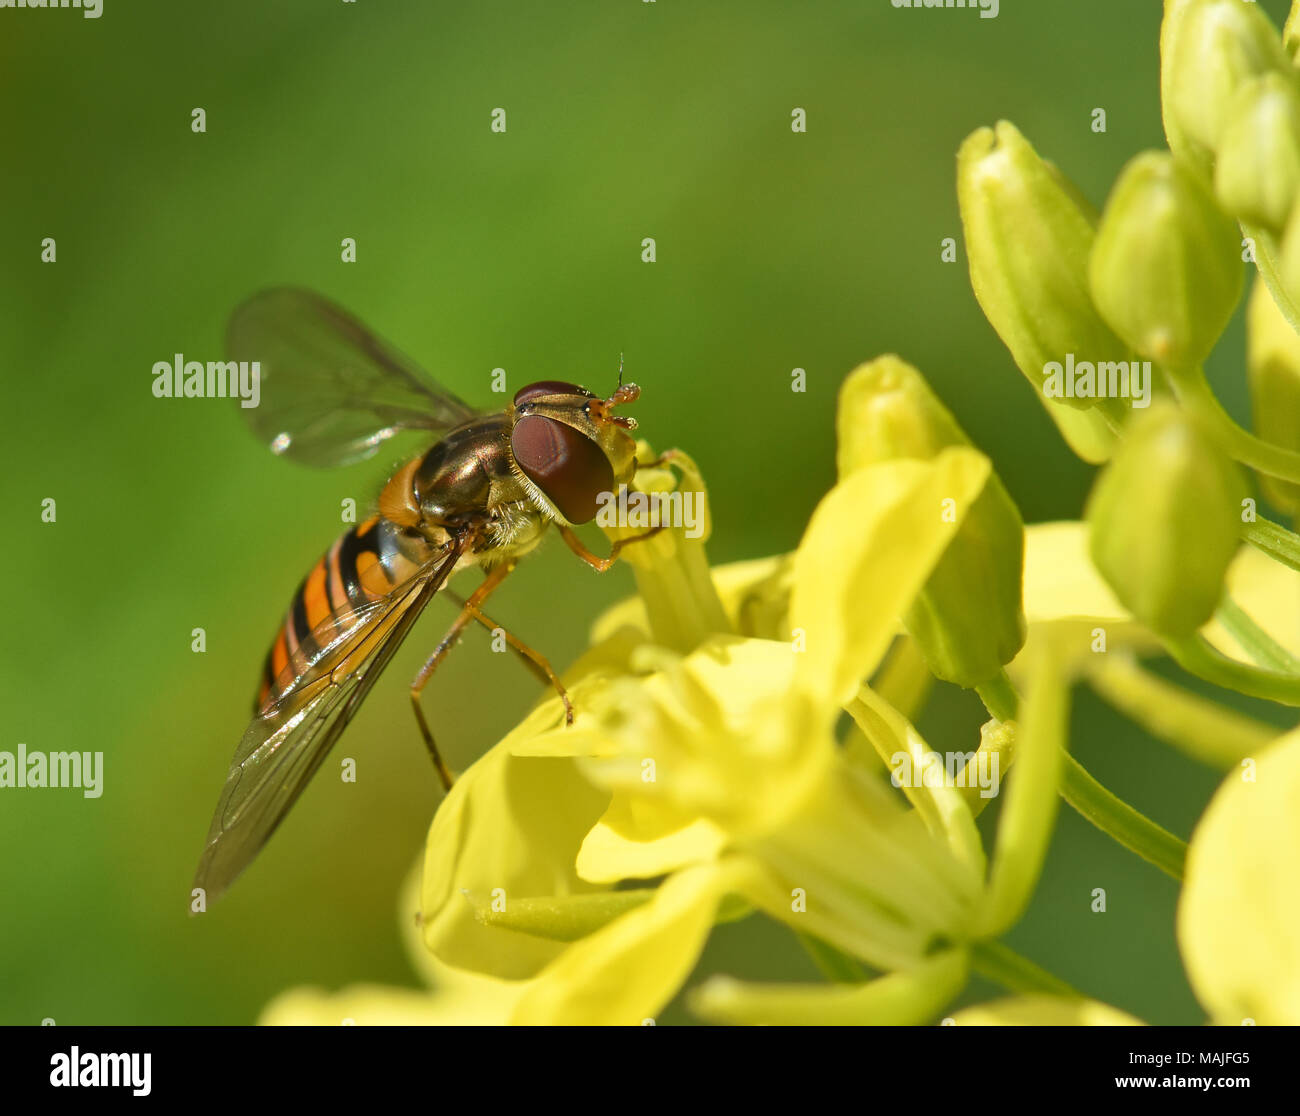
x: 364, y: 565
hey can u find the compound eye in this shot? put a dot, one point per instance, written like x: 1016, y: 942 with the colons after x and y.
x: 565, y: 464
x: 548, y: 387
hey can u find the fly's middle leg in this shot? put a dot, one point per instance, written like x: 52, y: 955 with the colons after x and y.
x: 534, y: 660
x: 467, y: 614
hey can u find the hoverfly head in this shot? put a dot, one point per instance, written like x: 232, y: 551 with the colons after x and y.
x: 566, y: 440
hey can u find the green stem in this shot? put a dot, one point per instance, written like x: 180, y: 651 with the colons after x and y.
x: 999, y: 697
x: 997, y: 962
x: 1135, y: 831
x: 1113, y: 816
x: 1261, y: 646
x: 1267, y: 265
x: 1274, y: 540
x: 1195, y: 394
x: 1200, y: 658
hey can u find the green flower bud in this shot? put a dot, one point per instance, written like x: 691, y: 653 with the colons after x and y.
x: 967, y: 620
x: 1273, y: 358
x: 1164, y: 520
x: 1166, y: 267
x: 1208, y: 49
x: 888, y: 411
x: 1291, y: 32
x: 1027, y: 240
x: 1258, y: 168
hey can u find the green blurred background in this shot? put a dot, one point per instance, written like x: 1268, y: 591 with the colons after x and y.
x: 475, y: 251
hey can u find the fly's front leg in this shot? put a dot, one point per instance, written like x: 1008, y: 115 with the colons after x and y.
x: 468, y: 613
x: 600, y: 565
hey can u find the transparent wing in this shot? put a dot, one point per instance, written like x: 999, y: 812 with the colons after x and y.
x: 289, y: 739
x: 331, y: 391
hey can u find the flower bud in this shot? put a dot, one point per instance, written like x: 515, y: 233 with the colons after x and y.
x: 1165, y: 269
x: 1291, y: 32
x: 1258, y: 168
x: 1164, y: 519
x: 967, y: 620
x: 887, y: 411
x: 1208, y: 49
x: 1028, y: 240
x: 1273, y: 359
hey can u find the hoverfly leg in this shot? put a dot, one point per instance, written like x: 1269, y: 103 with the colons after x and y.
x: 535, y: 660
x: 600, y: 565
x: 454, y: 633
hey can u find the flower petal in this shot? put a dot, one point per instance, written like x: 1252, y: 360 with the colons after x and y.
x: 1061, y: 582
x: 1270, y: 593
x: 510, y: 827
x: 868, y: 549
x: 718, y: 733
x: 940, y: 804
x: 1240, y: 905
x: 627, y: 971
x: 607, y: 855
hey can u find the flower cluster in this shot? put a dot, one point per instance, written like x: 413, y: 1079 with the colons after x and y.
x: 575, y: 872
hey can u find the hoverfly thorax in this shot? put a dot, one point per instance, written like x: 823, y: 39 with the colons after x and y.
x: 570, y: 444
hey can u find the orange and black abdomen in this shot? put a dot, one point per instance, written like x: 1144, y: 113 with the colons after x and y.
x: 364, y: 565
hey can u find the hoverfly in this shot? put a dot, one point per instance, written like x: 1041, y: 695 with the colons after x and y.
x: 483, y: 495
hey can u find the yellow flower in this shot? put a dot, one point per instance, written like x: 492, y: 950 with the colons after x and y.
x: 574, y: 874
x: 715, y: 761
x: 1239, y: 909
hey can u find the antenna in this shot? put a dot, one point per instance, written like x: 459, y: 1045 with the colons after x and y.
x: 620, y: 370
